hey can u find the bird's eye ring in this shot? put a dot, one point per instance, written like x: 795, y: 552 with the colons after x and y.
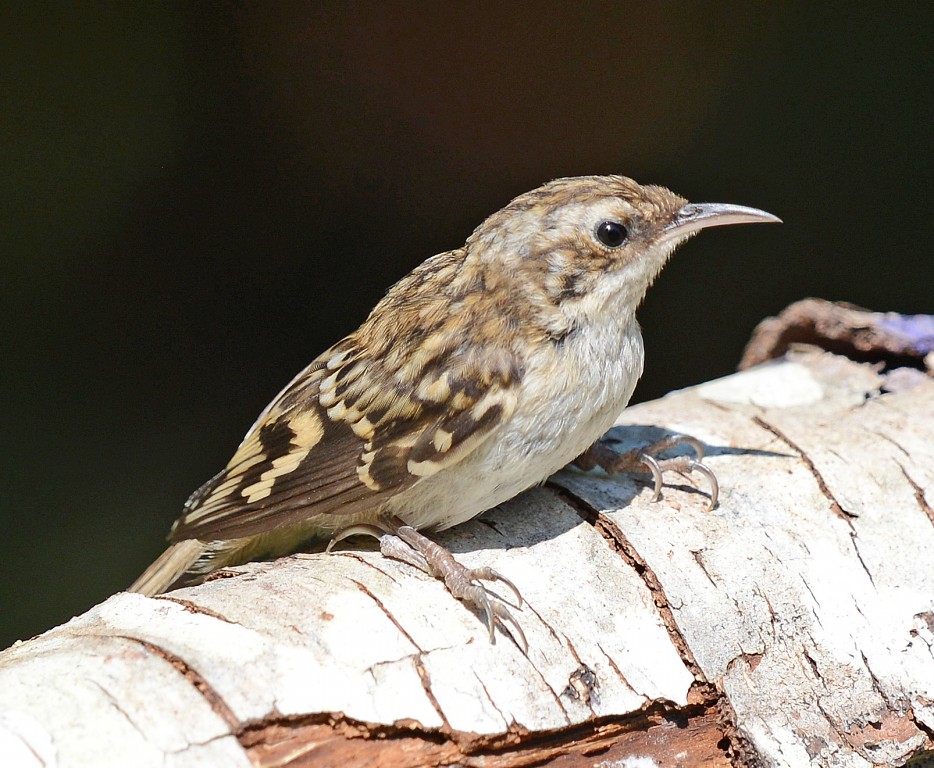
x: 611, y: 233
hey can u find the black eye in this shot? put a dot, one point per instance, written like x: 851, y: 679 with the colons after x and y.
x: 611, y: 233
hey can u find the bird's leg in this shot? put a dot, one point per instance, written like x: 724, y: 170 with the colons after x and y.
x: 599, y: 454
x: 409, y: 546
x: 402, y: 542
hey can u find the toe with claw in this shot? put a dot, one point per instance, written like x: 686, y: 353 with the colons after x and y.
x: 601, y: 455
x: 463, y: 583
x: 402, y: 542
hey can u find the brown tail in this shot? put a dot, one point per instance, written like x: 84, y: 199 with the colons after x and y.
x: 168, y: 568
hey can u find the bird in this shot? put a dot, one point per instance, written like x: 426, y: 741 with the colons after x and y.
x: 479, y: 374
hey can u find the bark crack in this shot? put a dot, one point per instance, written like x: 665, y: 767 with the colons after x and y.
x: 843, y: 740
x: 388, y: 614
x: 545, y: 623
x: 891, y: 440
x: 921, y: 726
x: 554, y: 693
x: 835, y: 505
x: 204, y: 743
x: 613, y: 534
x: 859, y: 556
x: 876, y: 683
x: 191, y: 607
x: 919, y: 494
x: 619, y: 673
x: 212, y: 697
x: 22, y: 740
x: 368, y: 564
x: 813, y: 596
x: 812, y: 663
x: 423, y: 676
x: 699, y: 559
x: 116, y: 705
x: 425, y: 680
x: 506, y: 720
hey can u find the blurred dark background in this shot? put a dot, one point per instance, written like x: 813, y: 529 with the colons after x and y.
x: 199, y: 198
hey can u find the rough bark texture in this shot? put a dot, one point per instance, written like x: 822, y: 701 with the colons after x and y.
x: 791, y: 626
x: 844, y: 329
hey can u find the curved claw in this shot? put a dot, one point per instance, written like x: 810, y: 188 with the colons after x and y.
x: 497, y: 613
x: 652, y: 464
x: 696, y: 444
x: 712, y: 479
x: 690, y: 465
x: 484, y: 599
x: 489, y: 574
x: 462, y: 583
x: 494, y: 612
x: 504, y: 615
x: 361, y: 529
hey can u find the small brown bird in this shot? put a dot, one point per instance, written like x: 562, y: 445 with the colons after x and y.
x: 482, y: 372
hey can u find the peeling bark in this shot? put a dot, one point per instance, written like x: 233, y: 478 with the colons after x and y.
x: 791, y: 626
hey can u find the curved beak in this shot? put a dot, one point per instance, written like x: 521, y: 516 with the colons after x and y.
x: 694, y: 217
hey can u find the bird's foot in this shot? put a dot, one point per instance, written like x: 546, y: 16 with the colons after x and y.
x: 402, y: 542
x: 408, y: 545
x: 601, y: 455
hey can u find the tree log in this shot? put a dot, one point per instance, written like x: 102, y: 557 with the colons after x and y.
x: 793, y: 625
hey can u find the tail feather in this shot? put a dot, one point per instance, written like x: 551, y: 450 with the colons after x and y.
x: 168, y: 568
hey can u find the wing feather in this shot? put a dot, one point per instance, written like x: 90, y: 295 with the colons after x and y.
x: 345, y: 436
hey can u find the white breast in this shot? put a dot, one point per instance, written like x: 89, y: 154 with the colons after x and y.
x: 571, y: 393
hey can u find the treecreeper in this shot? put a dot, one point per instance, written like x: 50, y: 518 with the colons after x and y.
x: 482, y: 372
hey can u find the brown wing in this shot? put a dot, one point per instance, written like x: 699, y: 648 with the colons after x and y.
x: 345, y: 435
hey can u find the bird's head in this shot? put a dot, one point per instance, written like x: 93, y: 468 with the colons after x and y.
x: 596, y: 243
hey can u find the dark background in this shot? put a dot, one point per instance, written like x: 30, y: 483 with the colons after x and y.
x: 197, y: 199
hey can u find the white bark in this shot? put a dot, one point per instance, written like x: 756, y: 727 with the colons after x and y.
x: 793, y: 625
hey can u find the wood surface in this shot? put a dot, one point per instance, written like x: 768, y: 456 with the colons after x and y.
x: 793, y: 625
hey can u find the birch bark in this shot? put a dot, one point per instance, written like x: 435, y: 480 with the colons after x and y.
x: 791, y: 626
